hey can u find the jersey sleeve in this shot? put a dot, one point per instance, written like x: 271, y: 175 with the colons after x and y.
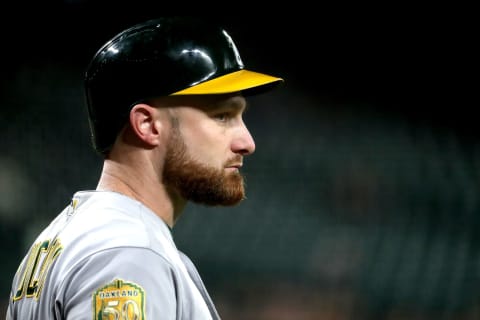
x: 120, y: 283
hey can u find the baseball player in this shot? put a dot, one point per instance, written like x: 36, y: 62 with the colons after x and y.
x: 165, y: 101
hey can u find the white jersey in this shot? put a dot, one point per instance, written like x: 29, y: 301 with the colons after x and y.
x: 107, y: 256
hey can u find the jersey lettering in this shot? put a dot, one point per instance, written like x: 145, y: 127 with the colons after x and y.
x: 36, y: 268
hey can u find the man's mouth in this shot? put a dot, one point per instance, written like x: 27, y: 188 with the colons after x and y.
x: 234, y: 166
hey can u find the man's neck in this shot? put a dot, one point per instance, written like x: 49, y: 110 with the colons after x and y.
x: 143, y: 186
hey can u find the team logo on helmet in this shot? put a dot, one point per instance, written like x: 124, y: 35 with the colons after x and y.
x: 120, y: 300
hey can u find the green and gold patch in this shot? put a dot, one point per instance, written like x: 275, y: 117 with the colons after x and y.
x: 120, y: 300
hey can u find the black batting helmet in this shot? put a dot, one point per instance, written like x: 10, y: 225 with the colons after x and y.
x: 162, y: 57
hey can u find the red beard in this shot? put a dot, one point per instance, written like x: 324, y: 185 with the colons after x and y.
x: 197, y: 182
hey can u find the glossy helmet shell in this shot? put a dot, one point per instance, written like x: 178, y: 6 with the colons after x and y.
x: 161, y: 57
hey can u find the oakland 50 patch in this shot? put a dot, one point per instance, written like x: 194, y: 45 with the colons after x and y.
x: 120, y: 300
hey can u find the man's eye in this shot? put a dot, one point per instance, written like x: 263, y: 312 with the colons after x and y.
x: 222, y: 116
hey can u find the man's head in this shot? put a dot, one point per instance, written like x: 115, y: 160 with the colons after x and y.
x: 193, y: 145
x: 162, y: 57
x: 168, y: 96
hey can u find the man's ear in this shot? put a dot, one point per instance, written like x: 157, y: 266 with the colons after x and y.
x: 145, y: 124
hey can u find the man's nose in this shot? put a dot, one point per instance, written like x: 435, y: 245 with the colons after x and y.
x: 243, y: 142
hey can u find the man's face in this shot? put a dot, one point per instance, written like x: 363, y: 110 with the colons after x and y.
x: 206, y: 149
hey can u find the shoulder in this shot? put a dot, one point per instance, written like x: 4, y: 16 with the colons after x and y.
x: 102, y: 220
x: 98, y: 225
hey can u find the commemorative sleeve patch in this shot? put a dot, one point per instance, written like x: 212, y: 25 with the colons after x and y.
x: 119, y: 300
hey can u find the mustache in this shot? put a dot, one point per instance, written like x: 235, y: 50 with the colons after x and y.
x: 234, y: 161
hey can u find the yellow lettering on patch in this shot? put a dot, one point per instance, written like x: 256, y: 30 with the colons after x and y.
x: 119, y: 300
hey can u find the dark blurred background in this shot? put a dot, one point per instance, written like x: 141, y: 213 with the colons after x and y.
x: 362, y: 194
